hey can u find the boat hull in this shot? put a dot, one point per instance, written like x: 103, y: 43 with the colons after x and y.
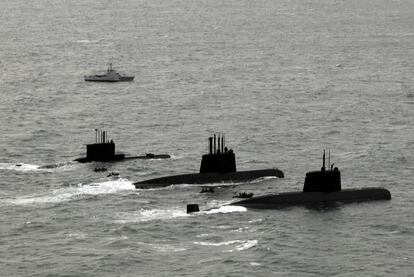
x: 206, y: 178
x: 111, y: 80
x: 275, y: 201
x: 122, y: 157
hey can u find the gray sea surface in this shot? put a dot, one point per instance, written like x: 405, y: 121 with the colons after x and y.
x: 283, y: 80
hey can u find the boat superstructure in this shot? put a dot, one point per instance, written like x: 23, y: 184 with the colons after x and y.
x: 111, y: 75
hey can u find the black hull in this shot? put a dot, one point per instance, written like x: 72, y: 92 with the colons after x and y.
x: 146, y: 157
x: 123, y: 79
x: 121, y: 157
x: 206, y: 178
x: 275, y: 201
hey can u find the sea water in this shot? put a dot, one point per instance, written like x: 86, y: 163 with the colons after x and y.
x: 283, y: 80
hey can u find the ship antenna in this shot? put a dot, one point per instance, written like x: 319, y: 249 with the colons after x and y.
x: 96, y: 135
x: 214, y: 144
x: 329, y: 158
x: 323, y: 161
x: 218, y: 143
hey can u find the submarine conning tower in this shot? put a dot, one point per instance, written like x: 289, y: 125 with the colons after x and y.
x: 323, y: 180
x: 102, y: 149
x: 220, y: 159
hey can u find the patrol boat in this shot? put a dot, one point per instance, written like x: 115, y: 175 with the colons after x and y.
x: 219, y: 165
x: 103, y: 150
x: 110, y: 75
x: 320, y: 186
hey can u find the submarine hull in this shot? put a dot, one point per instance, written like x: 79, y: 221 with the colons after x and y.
x: 275, y: 201
x: 206, y: 178
x: 122, y: 157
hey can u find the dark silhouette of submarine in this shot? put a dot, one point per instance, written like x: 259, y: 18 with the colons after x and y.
x: 219, y: 165
x: 320, y: 186
x: 103, y: 150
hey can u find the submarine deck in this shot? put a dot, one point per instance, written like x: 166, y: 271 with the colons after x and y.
x: 303, y: 198
x: 205, y: 178
x: 122, y: 157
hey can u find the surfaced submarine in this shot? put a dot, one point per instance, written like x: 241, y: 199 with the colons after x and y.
x: 103, y: 150
x: 219, y: 165
x: 320, y: 186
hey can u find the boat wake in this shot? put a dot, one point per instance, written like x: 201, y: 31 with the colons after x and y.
x: 72, y: 193
x: 23, y: 167
x: 235, y: 245
x: 225, y: 210
x: 145, y: 215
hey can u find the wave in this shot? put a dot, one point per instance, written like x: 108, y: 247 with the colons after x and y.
x: 77, y: 192
x: 261, y: 179
x: 226, y: 209
x: 240, y: 244
x: 87, y: 41
x: 145, y: 215
x: 23, y: 167
x: 167, y: 248
x: 19, y: 167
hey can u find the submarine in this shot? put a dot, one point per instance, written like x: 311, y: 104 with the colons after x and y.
x: 319, y: 187
x: 219, y: 165
x: 103, y: 150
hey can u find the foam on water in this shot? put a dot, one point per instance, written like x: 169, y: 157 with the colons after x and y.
x: 19, y: 167
x: 260, y: 179
x: 23, y: 167
x: 240, y: 245
x: 87, y: 41
x: 226, y: 209
x: 75, y: 192
x: 145, y: 215
x: 167, y: 248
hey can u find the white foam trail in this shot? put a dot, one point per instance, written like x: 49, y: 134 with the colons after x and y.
x: 19, y: 167
x: 22, y: 167
x: 255, y: 264
x: 145, y: 215
x: 176, y: 157
x: 260, y: 179
x: 167, y: 248
x: 76, y: 192
x: 226, y: 209
x: 87, y: 41
x: 240, y: 244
